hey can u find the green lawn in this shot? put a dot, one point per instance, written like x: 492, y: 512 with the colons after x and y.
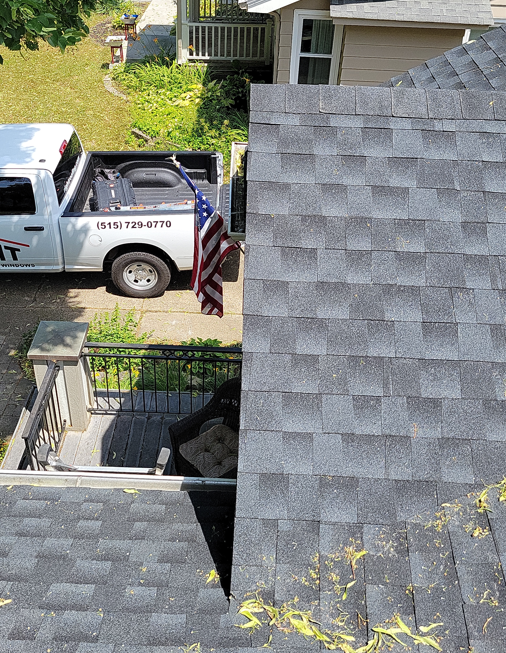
x: 47, y: 86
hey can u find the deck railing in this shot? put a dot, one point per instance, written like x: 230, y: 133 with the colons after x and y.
x: 229, y: 11
x: 157, y: 378
x: 229, y: 41
x: 45, y: 425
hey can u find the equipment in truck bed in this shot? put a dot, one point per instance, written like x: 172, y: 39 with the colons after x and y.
x: 112, y: 194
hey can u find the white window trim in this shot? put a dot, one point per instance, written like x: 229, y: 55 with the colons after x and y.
x: 316, y: 14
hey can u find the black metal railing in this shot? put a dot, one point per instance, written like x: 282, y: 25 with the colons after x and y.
x: 157, y: 378
x: 226, y: 11
x: 45, y: 424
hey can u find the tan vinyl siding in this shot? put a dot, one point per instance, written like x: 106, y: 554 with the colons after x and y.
x: 498, y: 8
x: 372, y: 55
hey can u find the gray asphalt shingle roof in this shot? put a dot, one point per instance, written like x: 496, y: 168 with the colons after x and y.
x: 477, y: 65
x: 103, y: 571
x: 465, y: 12
x: 374, y: 358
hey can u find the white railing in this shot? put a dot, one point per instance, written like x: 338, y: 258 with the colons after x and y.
x: 228, y: 41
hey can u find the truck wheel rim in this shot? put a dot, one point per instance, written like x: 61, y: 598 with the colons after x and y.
x: 140, y: 276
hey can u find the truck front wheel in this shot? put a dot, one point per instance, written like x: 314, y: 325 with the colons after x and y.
x: 139, y: 274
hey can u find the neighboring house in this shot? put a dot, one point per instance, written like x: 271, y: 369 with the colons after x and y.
x: 374, y: 365
x: 354, y: 42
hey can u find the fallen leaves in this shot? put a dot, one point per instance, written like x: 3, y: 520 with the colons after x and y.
x: 213, y: 575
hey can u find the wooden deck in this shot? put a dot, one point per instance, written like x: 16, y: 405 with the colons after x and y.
x: 121, y: 439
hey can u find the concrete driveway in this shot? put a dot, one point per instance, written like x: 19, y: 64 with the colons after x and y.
x: 25, y: 299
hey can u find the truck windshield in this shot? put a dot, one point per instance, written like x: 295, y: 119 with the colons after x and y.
x: 65, y: 168
x: 16, y: 196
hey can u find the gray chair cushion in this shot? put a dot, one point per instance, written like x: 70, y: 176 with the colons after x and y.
x: 214, y: 452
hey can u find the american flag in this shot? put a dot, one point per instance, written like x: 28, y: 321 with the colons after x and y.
x: 212, y: 245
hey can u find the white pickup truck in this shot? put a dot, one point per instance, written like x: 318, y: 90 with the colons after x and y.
x: 51, y: 219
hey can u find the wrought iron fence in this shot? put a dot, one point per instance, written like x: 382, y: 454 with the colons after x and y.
x: 157, y: 378
x: 45, y: 425
x: 229, y: 11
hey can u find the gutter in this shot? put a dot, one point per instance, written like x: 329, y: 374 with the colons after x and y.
x: 111, y: 481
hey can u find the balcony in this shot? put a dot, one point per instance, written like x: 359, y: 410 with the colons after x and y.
x: 108, y: 407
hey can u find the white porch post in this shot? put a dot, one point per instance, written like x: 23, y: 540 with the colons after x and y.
x: 182, y: 31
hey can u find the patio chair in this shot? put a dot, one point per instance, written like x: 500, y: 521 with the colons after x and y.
x: 185, y: 436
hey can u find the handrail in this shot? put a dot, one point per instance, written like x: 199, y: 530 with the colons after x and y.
x: 44, y: 416
x: 188, y: 348
x: 41, y: 401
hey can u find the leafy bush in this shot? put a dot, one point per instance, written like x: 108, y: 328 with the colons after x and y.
x: 109, y: 7
x: 127, y: 7
x: 183, y: 105
x: 186, y: 376
x: 116, y: 8
x: 163, y: 376
x: 142, y: 373
x: 114, y: 328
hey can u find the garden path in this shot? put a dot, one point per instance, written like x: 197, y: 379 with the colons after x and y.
x: 154, y: 31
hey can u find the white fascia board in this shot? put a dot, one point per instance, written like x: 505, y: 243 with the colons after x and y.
x: 266, y: 7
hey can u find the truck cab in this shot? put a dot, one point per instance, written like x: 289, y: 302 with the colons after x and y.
x: 39, y: 169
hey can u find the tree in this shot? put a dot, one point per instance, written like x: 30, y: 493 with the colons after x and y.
x: 24, y: 23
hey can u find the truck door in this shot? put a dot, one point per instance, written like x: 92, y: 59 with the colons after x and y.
x: 26, y: 232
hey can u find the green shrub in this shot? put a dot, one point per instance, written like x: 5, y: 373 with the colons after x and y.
x: 108, y: 6
x: 163, y: 376
x: 114, y: 328
x: 185, y: 376
x: 127, y: 7
x: 183, y: 105
x: 115, y: 7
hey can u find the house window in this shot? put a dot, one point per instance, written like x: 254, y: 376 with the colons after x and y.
x: 316, y: 47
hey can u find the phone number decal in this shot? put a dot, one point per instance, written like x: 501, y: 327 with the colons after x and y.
x: 136, y: 224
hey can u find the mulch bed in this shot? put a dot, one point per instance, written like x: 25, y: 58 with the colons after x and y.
x: 102, y: 30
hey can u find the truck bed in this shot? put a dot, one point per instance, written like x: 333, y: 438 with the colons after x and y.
x: 154, y: 179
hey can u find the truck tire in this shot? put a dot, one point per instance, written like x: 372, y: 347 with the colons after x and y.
x: 139, y: 274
